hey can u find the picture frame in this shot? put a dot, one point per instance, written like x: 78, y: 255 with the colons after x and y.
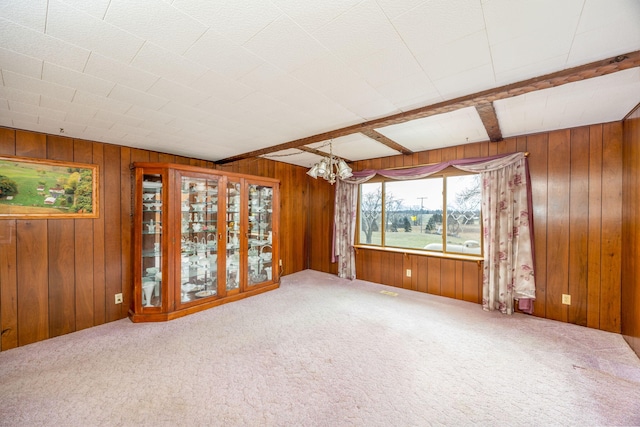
x: 41, y: 188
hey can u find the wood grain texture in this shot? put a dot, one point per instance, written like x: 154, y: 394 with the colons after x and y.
x: 8, y: 286
x: 630, y: 274
x: 33, y: 281
x: 83, y: 249
x: 611, y: 227
x: 99, y: 269
x: 537, y: 146
x: 579, y: 226
x: 558, y: 229
x: 61, y: 256
x: 112, y: 243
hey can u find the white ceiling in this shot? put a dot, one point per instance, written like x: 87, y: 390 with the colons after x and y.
x: 213, y: 79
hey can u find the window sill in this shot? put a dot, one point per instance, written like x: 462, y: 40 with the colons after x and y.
x: 419, y: 252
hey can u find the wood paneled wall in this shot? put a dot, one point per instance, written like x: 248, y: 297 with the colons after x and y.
x: 576, y: 177
x: 631, y: 232
x: 60, y: 275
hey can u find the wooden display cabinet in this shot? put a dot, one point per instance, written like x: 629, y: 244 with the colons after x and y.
x: 201, y: 238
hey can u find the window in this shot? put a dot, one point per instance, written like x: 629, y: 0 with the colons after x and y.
x: 439, y: 214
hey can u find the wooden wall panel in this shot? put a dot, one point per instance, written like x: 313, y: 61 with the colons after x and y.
x: 8, y: 286
x: 611, y: 228
x: 8, y: 273
x: 61, y: 277
x: 557, y: 168
x: 99, y: 268
x: 448, y: 271
x: 558, y: 228
x: 33, y: 282
x: 579, y: 226
x: 630, y: 274
x: 594, y: 244
x: 83, y: 249
x: 112, y: 220
x: 537, y: 146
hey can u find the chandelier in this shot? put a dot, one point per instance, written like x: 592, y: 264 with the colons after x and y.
x: 330, y: 168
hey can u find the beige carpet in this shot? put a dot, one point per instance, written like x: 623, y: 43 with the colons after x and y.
x: 322, y: 351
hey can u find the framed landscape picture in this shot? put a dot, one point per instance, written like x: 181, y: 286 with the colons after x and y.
x: 40, y: 188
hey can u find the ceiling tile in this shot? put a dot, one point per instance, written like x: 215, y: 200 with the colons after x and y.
x: 118, y: 118
x: 606, y: 31
x: 386, y: 65
x: 158, y: 61
x: 301, y: 47
x: 360, y: 31
x: 455, y: 128
x: 220, y: 55
x: 531, y: 49
x: 507, y: 20
x: 177, y: 92
x: 470, y: 81
x: 221, y: 87
x: 10, y: 93
x: 38, y: 45
x: 598, y: 100
x: 74, y: 79
x: 438, y: 22
x: 157, y: 22
x: 239, y: 20
x: 19, y: 63
x: 29, y: 84
x: 100, y: 102
x: 119, y: 72
x: 311, y: 16
x: 134, y: 97
x: 152, y: 116
x: 410, y: 92
x: 73, y: 26
x: 70, y: 109
x: 95, y: 8
x: 451, y: 58
x: 184, y: 111
x: 30, y: 13
x: 395, y: 8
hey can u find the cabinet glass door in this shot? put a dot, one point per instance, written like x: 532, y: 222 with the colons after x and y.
x: 152, y: 214
x: 199, y: 242
x: 259, y: 265
x: 233, y: 236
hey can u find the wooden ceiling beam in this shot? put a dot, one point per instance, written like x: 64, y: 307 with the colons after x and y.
x: 559, y: 78
x: 318, y: 152
x: 490, y: 120
x: 377, y: 136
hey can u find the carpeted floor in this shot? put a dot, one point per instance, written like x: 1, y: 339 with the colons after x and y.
x: 323, y: 351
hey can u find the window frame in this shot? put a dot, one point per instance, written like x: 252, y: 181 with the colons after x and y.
x: 382, y: 246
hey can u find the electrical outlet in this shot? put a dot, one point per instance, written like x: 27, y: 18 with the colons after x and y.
x: 280, y: 264
x: 118, y: 298
x: 408, y: 272
x: 566, y: 299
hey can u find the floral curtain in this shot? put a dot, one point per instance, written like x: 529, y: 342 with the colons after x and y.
x: 507, y: 225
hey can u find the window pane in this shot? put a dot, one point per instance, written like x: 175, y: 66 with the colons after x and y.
x: 409, y: 208
x: 463, y: 214
x: 370, y: 213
